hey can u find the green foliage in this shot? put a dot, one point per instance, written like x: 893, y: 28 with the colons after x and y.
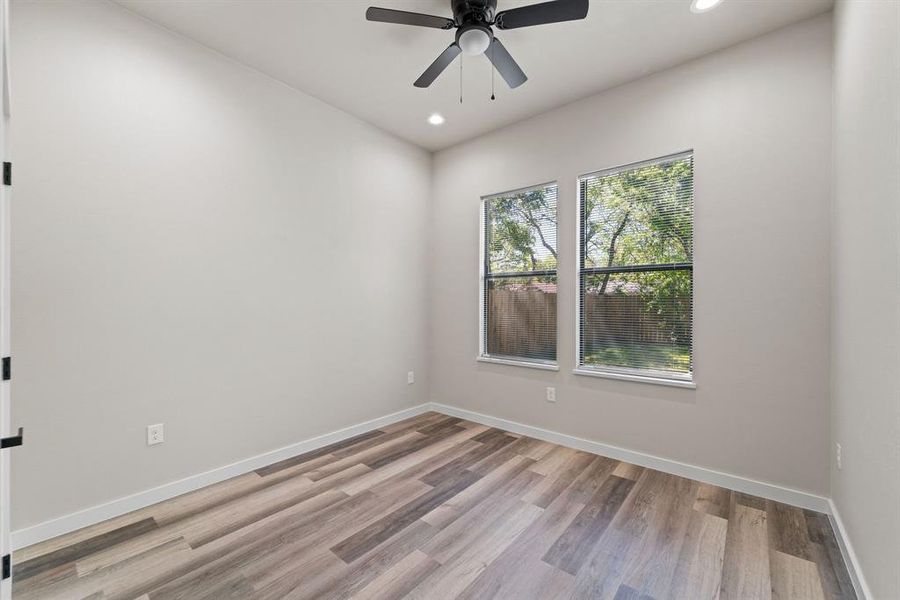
x: 642, y: 356
x: 641, y: 217
x: 522, y: 231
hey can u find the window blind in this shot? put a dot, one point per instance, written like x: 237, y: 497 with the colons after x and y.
x: 519, y: 275
x: 636, y: 270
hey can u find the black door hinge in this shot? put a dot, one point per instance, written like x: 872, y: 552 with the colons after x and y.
x: 13, y: 441
x: 7, y: 173
x: 7, y: 368
x: 7, y: 566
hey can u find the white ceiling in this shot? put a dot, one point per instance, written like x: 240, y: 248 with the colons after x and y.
x: 326, y: 48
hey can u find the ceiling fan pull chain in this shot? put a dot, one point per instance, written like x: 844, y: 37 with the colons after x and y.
x: 492, y: 71
x: 460, y: 79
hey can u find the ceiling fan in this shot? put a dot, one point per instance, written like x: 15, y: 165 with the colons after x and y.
x: 474, y: 21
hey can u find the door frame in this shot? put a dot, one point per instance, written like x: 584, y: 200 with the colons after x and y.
x: 5, y: 193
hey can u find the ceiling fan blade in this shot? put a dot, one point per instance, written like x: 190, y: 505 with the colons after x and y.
x: 438, y: 66
x: 401, y: 17
x: 539, y: 14
x: 505, y: 64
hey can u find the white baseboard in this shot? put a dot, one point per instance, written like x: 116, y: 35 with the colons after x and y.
x: 97, y: 514
x: 726, y: 480
x: 856, y: 575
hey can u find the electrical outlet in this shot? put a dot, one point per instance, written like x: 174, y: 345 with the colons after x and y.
x: 411, y: 377
x: 551, y: 394
x: 156, y: 434
x: 839, y: 456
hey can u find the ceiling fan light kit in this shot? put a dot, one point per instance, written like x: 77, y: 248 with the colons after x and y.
x: 474, y: 39
x: 474, y: 21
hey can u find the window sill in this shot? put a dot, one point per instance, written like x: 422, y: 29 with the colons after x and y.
x: 680, y: 383
x: 518, y: 363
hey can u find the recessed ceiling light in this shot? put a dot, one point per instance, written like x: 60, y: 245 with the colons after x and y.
x: 436, y: 119
x: 699, y: 6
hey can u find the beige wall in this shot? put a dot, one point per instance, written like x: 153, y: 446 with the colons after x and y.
x: 758, y: 117
x: 866, y: 286
x: 198, y: 245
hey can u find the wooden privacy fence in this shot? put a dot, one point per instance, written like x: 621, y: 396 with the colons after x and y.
x: 522, y: 322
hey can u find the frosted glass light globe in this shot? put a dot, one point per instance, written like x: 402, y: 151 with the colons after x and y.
x: 474, y: 41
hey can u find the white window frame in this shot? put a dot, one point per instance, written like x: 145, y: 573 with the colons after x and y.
x: 622, y: 373
x: 482, y: 355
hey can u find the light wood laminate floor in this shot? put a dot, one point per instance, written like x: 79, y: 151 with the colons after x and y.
x: 436, y: 507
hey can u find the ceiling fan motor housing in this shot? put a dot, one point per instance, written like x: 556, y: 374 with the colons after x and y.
x: 473, y: 12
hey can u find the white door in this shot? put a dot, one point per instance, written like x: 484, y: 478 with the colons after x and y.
x: 6, y: 584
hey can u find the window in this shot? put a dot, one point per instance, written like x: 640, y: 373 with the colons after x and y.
x: 518, y: 283
x: 636, y: 270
